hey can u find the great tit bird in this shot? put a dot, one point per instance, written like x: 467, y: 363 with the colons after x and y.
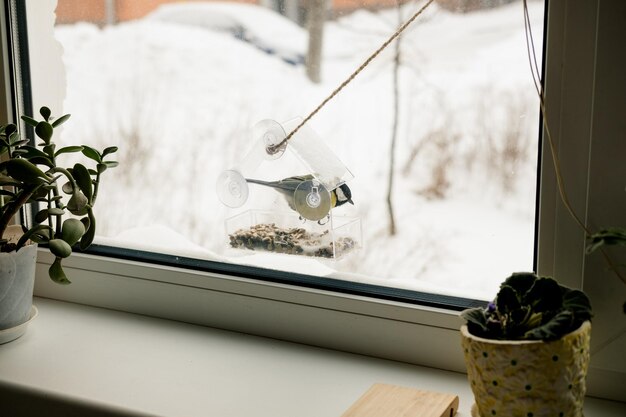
x: 287, y: 186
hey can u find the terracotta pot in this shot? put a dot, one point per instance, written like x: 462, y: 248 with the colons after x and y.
x: 17, y: 279
x: 528, y: 378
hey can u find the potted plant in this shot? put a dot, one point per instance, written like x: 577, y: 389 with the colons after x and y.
x: 64, y: 197
x: 527, y: 352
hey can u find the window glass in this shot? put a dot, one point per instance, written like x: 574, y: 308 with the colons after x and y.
x: 436, y: 138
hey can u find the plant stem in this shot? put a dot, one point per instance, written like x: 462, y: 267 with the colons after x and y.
x: 13, y: 207
x: 96, y: 185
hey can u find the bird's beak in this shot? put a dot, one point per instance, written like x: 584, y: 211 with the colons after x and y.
x: 351, y: 202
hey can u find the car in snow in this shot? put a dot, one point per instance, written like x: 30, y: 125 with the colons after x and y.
x: 263, y: 28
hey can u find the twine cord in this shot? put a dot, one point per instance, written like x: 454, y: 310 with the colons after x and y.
x: 274, y: 148
x: 534, y: 68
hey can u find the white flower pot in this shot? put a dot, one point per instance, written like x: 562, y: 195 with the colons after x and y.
x: 528, y: 378
x: 17, y: 279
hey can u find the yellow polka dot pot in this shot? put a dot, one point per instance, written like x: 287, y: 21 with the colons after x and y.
x: 528, y: 378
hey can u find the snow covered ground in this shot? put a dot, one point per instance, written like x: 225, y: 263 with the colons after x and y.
x: 179, y: 96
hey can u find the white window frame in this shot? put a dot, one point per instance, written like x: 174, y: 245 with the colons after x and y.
x: 578, y: 49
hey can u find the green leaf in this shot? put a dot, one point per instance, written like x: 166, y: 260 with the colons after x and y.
x: 78, y: 204
x: 29, y: 121
x: 521, y: 282
x: 55, y: 211
x: 34, y: 152
x: 6, y: 192
x: 60, y: 248
x: 91, y: 153
x: 44, y: 130
x: 67, y: 188
x: 544, y: 295
x: 86, y: 222
x: 476, y: 316
x: 41, y: 161
x: 101, y: 168
x: 506, y: 300
x: 21, y: 142
x: 611, y: 236
x: 577, y: 302
x: 39, y: 233
x: 41, y: 216
x: 6, y: 180
x: 45, y: 112
x: 111, y: 164
x: 61, y: 120
x: 14, y: 137
x: 89, y: 235
x: 83, y: 180
x: 57, y: 274
x: 68, y: 149
x: 109, y: 150
x: 559, y: 326
x: 9, y: 129
x: 72, y: 230
x: 49, y: 149
x: 25, y: 171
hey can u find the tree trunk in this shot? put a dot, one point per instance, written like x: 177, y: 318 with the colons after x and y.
x: 316, y: 15
x: 110, y: 12
x: 394, y: 128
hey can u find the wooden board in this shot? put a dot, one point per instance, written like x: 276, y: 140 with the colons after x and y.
x: 383, y: 400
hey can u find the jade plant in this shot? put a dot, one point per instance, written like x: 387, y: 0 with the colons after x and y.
x: 63, y: 197
x: 528, y: 307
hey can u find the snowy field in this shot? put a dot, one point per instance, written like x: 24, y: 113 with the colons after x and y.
x: 179, y: 91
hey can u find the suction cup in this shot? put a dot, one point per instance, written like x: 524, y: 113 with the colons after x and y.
x: 312, y: 200
x: 232, y: 188
x: 271, y: 133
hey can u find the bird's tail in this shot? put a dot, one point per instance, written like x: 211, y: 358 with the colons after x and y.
x: 253, y: 181
x: 273, y: 184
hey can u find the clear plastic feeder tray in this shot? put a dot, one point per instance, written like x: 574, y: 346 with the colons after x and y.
x: 278, y: 232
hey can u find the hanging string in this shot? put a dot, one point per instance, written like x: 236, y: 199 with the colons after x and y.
x: 534, y: 67
x: 274, y: 148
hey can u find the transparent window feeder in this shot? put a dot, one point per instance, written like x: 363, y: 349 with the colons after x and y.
x: 287, y: 196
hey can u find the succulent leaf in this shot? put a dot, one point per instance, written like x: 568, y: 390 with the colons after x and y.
x: 57, y: 274
x: 44, y: 130
x: 90, y: 234
x: 61, y: 120
x: 91, y: 153
x: 72, y: 230
x: 60, y: 248
x: 30, y: 121
x: 83, y: 179
x: 24, y: 171
x: 78, y: 203
x: 45, y: 112
x: 68, y: 149
x: 109, y: 150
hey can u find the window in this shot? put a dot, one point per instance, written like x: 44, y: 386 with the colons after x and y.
x: 323, y: 311
x: 171, y: 84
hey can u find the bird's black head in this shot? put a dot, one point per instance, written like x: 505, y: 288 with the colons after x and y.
x: 344, y: 195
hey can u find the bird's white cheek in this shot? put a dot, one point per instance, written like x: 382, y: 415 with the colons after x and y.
x: 340, y: 195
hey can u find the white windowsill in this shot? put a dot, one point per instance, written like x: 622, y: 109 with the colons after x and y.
x: 104, y: 362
